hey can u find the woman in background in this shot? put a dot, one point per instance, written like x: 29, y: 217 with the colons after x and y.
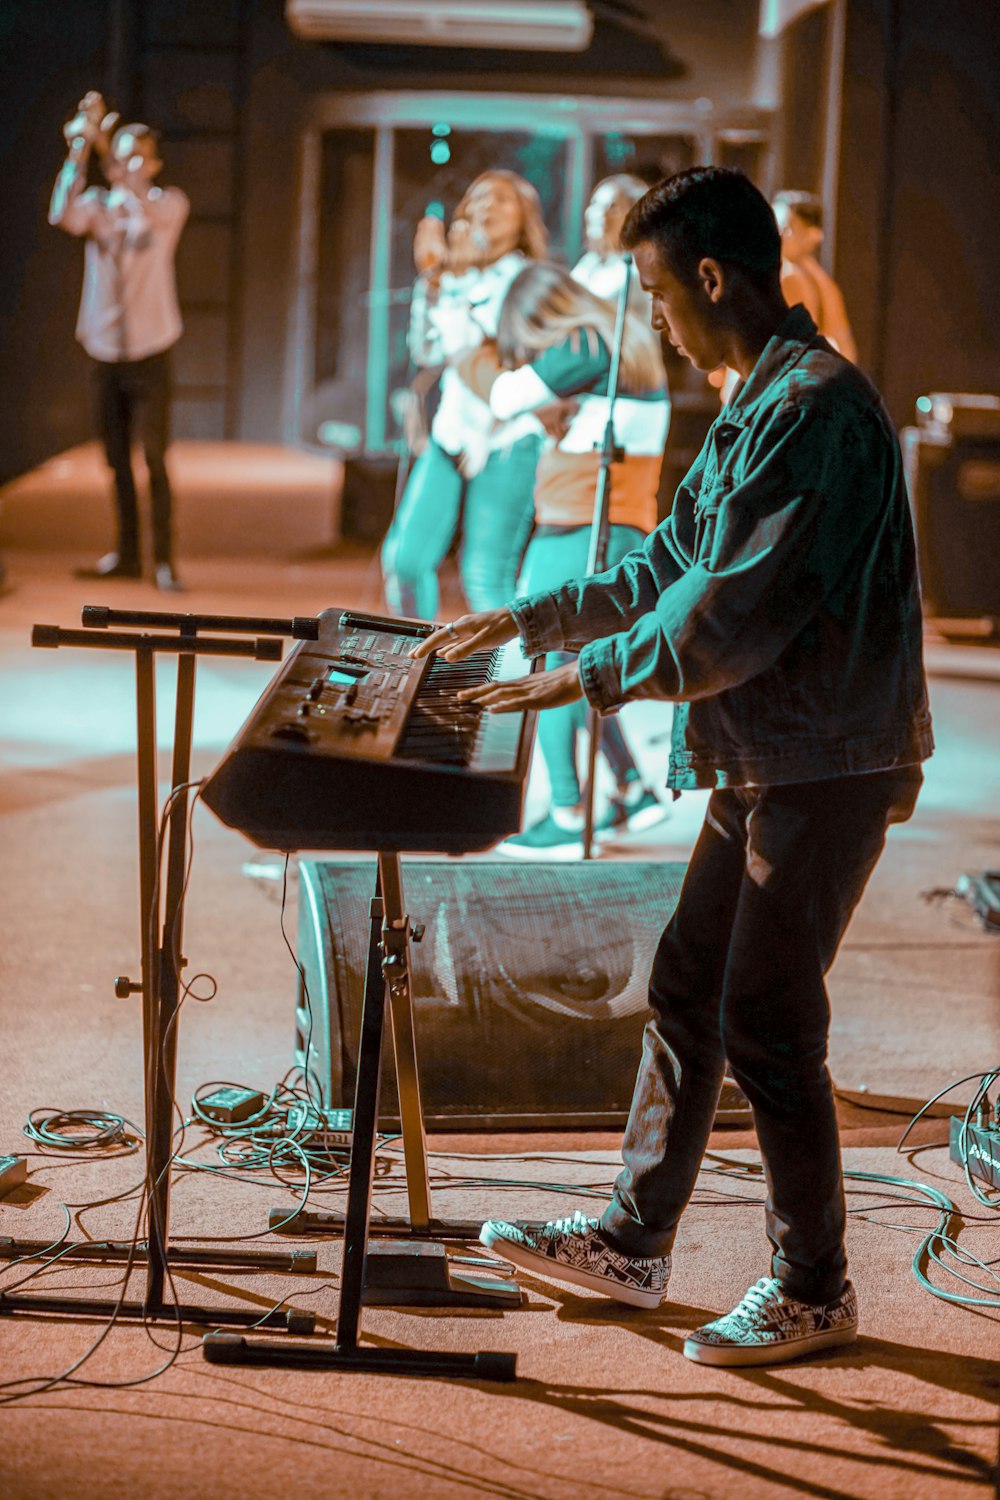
x: 554, y: 343
x: 601, y: 269
x: 474, y: 472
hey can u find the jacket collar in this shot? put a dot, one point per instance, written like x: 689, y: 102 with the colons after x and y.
x: 783, y: 349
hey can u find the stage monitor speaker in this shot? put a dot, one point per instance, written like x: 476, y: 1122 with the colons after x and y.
x: 529, y: 986
x: 369, y: 497
x: 954, y: 485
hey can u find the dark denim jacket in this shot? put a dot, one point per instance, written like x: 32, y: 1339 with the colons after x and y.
x: 778, y: 604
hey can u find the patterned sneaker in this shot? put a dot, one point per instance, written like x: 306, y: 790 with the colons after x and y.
x: 629, y: 815
x: 574, y: 1250
x: 768, y: 1328
x: 545, y: 840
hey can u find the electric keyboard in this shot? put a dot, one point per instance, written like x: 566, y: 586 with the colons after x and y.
x: 355, y: 745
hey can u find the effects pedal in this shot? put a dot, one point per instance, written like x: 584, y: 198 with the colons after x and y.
x: 230, y: 1105
x: 980, y: 1148
x: 13, y: 1171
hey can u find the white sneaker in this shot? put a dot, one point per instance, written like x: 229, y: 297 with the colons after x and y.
x: 547, y: 839
x: 768, y: 1327
x: 631, y: 815
x: 575, y: 1250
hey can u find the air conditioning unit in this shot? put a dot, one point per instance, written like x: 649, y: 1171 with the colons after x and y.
x: 520, y: 25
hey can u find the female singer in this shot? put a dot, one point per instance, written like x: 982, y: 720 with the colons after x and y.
x: 554, y: 343
x: 475, y: 472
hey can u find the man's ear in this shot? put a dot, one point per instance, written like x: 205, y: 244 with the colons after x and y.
x: 711, y: 277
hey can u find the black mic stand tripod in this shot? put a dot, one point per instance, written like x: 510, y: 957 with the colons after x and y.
x: 597, y: 558
x: 159, y: 985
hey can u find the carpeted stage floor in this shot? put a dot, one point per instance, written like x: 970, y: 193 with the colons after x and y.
x: 605, y: 1405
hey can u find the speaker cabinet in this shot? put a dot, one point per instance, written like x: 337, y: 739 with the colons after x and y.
x: 529, y: 986
x: 954, y: 485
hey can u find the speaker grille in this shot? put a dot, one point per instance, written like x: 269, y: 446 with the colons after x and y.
x: 529, y: 987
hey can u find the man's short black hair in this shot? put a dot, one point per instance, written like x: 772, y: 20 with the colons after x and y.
x: 707, y: 211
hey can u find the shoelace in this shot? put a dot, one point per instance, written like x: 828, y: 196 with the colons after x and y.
x: 762, y: 1294
x: 579, y: 1224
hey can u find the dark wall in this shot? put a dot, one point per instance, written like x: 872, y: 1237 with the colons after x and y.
x: 919, y: 200
x: 799, y: 127
x: 52, y: 54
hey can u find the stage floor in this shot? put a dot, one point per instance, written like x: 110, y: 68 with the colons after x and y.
x: 613, y: 1409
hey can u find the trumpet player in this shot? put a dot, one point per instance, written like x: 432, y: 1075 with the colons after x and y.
x: 129, y: 318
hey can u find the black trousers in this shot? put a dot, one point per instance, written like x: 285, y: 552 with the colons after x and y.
x: 132, y: 400
x: 739, y: 975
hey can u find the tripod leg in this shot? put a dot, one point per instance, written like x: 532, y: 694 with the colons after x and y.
x: 359, y: 1191
x: 164, y: 1067
x: 395, y: 930
x: 152, y: 1036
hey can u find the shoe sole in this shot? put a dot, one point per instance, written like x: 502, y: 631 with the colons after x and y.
x: 543, y: 1265
x: 641, y: 821
x: 738, y: 1355
x: 554, y: 852
x: 648, y: 818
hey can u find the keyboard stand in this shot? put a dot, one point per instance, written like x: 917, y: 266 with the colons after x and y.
x: 394, y: 1273
x: 161, y: 924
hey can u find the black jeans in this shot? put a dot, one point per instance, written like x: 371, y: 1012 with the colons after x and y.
x: 132, y: 399
x: 739, y: 975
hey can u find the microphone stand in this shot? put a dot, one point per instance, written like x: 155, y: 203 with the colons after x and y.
x: 597, y: 557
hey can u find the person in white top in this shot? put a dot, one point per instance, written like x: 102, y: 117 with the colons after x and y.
x: 129, y: 315
x: 474, y: 473
x: 601, y: 268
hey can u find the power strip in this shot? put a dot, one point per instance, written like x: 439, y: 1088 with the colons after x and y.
x: 981, y: 1149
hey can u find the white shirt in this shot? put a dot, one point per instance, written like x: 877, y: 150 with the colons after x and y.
x: 128, y: 307
x: 466, y: 312
x: 604, y: 278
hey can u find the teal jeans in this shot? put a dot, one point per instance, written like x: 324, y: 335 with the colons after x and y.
x: 555, y: 556
x: 495, y: 509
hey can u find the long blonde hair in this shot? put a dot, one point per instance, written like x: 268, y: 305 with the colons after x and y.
x: 544, y: 306
x: 533, y: 240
